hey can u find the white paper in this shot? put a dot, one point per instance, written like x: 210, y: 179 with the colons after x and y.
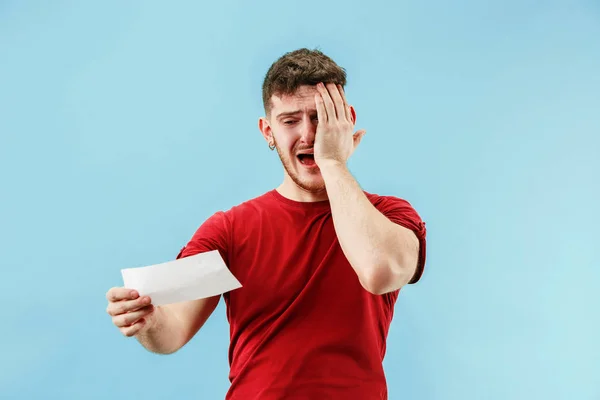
x: 196, y: 277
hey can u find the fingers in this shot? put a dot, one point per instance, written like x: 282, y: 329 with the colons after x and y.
x: 335, y: 102
x: 128, y: 319
x: 346, y: 105
x: 124, y: 306
x: 327, y: 101
x: 133, y: 329
x: 119, y: 293
x: 321, y: 111
x: 128, y: 309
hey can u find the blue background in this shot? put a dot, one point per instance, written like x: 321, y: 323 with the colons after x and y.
x: 125, y: 124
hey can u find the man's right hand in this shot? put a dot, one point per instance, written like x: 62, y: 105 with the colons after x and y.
x: 130, y: 312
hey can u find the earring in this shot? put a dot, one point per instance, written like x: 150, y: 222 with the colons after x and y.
x: 271, y: 146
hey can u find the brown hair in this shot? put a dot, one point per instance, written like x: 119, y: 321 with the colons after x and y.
x: 297, y: 68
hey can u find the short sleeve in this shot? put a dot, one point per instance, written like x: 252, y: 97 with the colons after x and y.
x: 402, y: 213
x: 213, y: 234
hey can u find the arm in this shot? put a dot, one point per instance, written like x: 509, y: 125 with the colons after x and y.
x: 166, y: 329
x: 160, y: 329
x: 172, y: 326
x: 383, y: 253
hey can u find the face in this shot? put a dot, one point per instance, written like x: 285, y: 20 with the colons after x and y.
x: 292, y: 125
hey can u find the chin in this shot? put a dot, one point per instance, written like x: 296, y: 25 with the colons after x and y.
x: 313, y: 183
x: 306, y: 177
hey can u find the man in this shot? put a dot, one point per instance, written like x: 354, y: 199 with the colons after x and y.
x: 321, y: 261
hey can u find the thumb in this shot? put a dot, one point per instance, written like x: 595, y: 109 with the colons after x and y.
x: 358, y: 136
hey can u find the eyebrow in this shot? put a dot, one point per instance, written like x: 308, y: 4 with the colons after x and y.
x: 291, y: 113
x: 288, y: 114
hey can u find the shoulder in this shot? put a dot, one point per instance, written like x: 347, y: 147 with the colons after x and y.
x: 401, y: 212
x: 398, y: 210
x: 216, y: 232
x: 386, y: 201
x: 251, y: 206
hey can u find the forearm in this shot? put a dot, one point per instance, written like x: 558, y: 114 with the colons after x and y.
x: 383, y: 254
x: 165, y: 333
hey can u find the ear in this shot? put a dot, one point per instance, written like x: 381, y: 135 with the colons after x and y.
x: 353, y: 112
x: 265, y: 129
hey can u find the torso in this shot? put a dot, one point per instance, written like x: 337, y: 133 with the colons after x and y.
x: 301, y: 325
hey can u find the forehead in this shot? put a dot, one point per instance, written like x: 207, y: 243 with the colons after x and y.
x: 302, y: 98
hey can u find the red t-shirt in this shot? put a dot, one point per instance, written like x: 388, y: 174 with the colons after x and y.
x: 301, y: 326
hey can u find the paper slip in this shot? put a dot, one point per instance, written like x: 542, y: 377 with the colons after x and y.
x: 190, y: 278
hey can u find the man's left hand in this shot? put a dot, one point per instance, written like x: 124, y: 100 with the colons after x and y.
x: 334, y: 140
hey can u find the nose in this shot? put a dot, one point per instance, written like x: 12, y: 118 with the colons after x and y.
x: 309, y: 129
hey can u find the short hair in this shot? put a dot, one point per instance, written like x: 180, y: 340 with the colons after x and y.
x: 297, y: 68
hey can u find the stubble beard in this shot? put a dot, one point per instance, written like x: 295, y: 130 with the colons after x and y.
x: 312, y: 187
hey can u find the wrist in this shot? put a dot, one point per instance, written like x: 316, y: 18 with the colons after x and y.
x: 328, y: 167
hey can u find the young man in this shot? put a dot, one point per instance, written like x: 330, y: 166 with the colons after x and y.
x: 321, y: 261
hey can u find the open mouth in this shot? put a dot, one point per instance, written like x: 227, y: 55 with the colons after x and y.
x: 307, y: 159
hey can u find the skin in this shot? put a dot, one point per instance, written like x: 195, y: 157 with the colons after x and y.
x: 292, y: 126
x: 384, y: 255
x: 315, y: 119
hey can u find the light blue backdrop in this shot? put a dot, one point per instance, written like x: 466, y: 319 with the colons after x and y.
x: 125, y: 124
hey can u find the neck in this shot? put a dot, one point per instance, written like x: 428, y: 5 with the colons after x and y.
x: 292, y: 191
